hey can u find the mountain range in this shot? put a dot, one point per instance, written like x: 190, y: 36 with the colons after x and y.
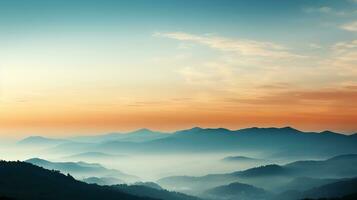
x: 283, y: 142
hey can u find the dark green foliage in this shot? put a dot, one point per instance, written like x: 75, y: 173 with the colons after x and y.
x: 154, y: 193
x: 24, y: 181
x: 237, y: 191
x: 347, y: 197
x: 344, y: 189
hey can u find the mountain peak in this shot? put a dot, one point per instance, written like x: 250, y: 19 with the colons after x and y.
x: 37, y: 161
x: 289, y: 128
x: 196, y: 128
x: 143, y: 131
x: 327, y: 132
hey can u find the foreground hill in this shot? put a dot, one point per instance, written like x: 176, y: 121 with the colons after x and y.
x: 142, y: 190
x: 337, y: 189
x: 83, y: 169
x: 24, y: 181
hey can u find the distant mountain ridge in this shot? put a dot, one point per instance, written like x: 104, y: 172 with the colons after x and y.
x: 139, y: 135
x: 92, y: 156
x: 273, y: 142
x: 241, y: 159
x: 39, y: 140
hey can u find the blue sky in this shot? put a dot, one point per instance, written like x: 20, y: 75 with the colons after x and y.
x: 147, y: 59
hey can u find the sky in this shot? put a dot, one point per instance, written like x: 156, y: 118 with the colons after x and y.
x: 85, y: 67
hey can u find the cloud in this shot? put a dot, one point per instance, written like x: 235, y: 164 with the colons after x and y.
x: 315, y: 46
x: 342, y: 98
x: 352, y: 26
x: 344, y: 57
x: 323, y: 9
x: 241, y: 47
x: 326, y: 10
x: 345, y: 46
x: 210, y: 74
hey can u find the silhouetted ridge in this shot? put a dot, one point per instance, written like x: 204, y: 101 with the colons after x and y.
x: 236, y: 190
x: 335, y: 190
x: 25, y: 181
x: 328, y: 132
x: 272, y: 130
x: 142, y: 190
x: 267, y: 170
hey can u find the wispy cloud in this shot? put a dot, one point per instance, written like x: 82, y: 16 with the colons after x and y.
x: 329, y: 98
x: 352, y: 26
x: 322, y: 9
x: 315, y: 46
x: 242, y: 47
x: 328, y: 11
x: 343, y: 58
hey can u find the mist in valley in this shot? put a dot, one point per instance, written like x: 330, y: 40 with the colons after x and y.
x: 222, y: 164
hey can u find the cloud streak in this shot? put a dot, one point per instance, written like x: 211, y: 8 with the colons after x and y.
x: 241, y: 47
x: 352, y: 26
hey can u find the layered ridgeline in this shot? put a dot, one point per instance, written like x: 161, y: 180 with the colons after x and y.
x: 338, y: 190
x: 274, y: 142
x: 25, y: 181
x: 273, y: 178
x: 83, y: 170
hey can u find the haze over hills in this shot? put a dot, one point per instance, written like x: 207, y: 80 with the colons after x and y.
x: 103, y: 180
x: 212, y: 163
x: 241, y: 159
x: 270, y: 177
x: 92, y: 156
x: 140, y: 135
x: 236, y: 191
x: 82, y: 169
x: 272, y: 142
x: 41, y: 141
x: 24, y: 181
x: 178, y: 99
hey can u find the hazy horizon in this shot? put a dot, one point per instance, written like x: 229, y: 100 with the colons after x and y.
x: 69, y: 135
